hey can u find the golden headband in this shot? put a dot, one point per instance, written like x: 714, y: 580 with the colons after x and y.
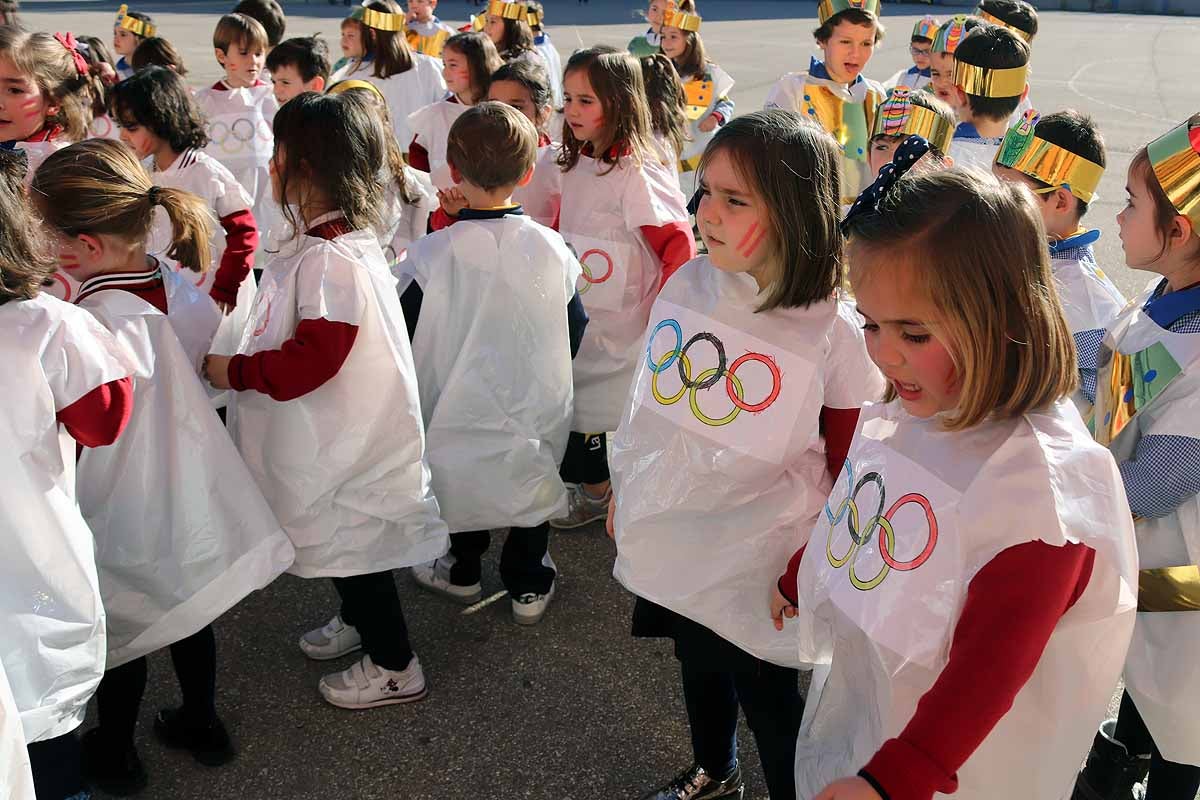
x: 1049, y: 163
x: 681, y: 20
x: 345, y: 86
x: 508, y: 10
x: 1175, y: 157
x: 138, y: 27
x: 986, y: 17
x: 986, y: 82
x: 379, y: 20
x: 534, y: 18
x: 826, y: 9
x: 900, y: 116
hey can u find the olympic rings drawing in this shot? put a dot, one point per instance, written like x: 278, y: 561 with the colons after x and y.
x: 65, y: 284
x: 860, y: 537
x: 266, y: 319
x: 589, y: 278
x: 236, y: 137
x: 678, y: 355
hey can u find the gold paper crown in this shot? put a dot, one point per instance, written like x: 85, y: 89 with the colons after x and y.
x: 138, y: 27
x: 508, y: 10
x: 926, y: 28
x: 948, y: 36
x: 828, y: 8
x: 345, y: 86
x: 1175, y: 157
x: 986, y: 17
x: 987, y: 82
x: 898, y: 115
x: 1051, y: 164
x: 534, y: 18
x: 681, y: 20
x: 379, y: 20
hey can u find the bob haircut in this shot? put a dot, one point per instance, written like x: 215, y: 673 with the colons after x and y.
x: 158, y: 99
x: 616, y: 78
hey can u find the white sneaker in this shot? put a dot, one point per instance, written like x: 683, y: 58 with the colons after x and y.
x: 365, y: 685
x: 333, y: 640
x: 529, y: 608
x: 435, y: 577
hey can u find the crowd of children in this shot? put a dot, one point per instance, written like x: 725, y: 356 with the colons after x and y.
x: 287, y: 323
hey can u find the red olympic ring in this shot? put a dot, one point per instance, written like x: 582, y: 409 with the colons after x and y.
x: 923, y: 556
x: 266, y: 319
x: 776, y: 382
x: 587, y: 273
x: 66, y: 286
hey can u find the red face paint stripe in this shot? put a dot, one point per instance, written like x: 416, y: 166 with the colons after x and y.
x: 750, y: 248
x: 749, y: 233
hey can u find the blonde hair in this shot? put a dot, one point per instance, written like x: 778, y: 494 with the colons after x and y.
x: 977, y: 249
x: 52, y: 67
x: 99, y: 187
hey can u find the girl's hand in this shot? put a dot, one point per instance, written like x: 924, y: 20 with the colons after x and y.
x: 216, y: 371
x: 849, y: 789
x: 608, y: 521
x: 452, y: 201
x: 781, y: 607
x: 226, y: 308
x: 710, y: 123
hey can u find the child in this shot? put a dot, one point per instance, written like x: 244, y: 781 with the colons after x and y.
x: 920, y: 47
x: 1061, y: 157
x: 667, y: 101
x: 466, y: 297
x: 269, y: 14
x: 991, y: 70
x: 130, y: 30
x: 623, y: 215
x: 161, y: 123
x: 974, y: 615
x: 909, y: 113
x: 507, y: 25
x: 942, y: 64
x: 326, y: 377
x: 1017, y: 15
x: 101, y: 65
x: 649, y: 42
x: 298, y: 65
x: 546, y: 49
x: 182, y: 532
x: 524, y: 86
x: 426, y: 34
x: 833, y: 91
x: 468, y: 59
x: 156, y: 51
x: 64, y: 369
x: 373, y: 40
x: 1146, y: 414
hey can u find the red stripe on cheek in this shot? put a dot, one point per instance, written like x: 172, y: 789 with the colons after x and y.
x: 750, y: 248
x: 749, y: 233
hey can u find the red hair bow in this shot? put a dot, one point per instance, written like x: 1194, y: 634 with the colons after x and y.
x: 67, y: 40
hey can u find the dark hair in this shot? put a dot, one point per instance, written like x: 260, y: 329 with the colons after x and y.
x: 992, y: 47
x: 102, y: 65
x: 269, y: 14
x: 855, y: 16
x: 518, y: 39
x: 795, y: 167
x: 386, y: 50
x: 337, y: 143
x: 482, y: 59
x: 920, y: 40
x: 529, y: 74
x: 308, y: 54
x: 693, y: 61
x: 1017, y: 13
x: 616, y: 78
x: 141, y: 17
x: 25, y: 261
x: 1076, y: 133
x: 156, y: 51
x: 666, y: 100
x: 158, y: 99
x: 492, y: 145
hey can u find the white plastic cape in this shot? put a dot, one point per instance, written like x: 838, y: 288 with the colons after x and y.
x: 182, y: 532
x: 404, y: 223
x: 1159, y: 372
x: 344, y: 466
x: 495, y: 291
x: 708, y: 89
x: 405, y: 92
x: 600, y: 220
x: 16, y: 781
x: 1090, y: 301
x: 553, y: 65
x: 718, y: 485
x: 53, y: 641
x: 541, y: 197
x: 241, y: 138
x: 431, y: 129
x: 928, y: 509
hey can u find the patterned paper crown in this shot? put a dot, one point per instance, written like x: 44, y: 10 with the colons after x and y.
x: 926, y: 28
x: 534, y: 18
x: 1051, y: 164
x: 138, y: 27
x: 379, y: 20
x: 828, y: 8
x: 986, y: 17
x: 948, y: 36
x: 1175, y: 157
x: 987, y: 82
x: 900, y: 116
x: 682, y: 20
x: 508, y: 10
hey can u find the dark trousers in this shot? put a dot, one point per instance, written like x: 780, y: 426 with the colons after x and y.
x: 524, y: 567
x: 119, y: 696
x: 586, y: 458
x: 1168, y: 780
x: 57, y: 767
x: 372, y: 605
x: 769, y: 696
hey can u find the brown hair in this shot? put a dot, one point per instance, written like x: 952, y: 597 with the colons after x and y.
x: 492, y: 145
x: 482, y: 60
x: 52, y: 67
x: 794, y: 167
x: 666, y: 100
x: 25, y: 262
x: 99, y: 187
x: 854, y: 16
x: 393, y: 155
x: 269, y: 14
x: 693, y: 62
x: 1164, y: 210
x: 102, y: 66
x: 239, y: 29
x: 990, y: 281
x: 534, y: 78
x: 616, y: 78
x: 158, y: 52
x: 387, y: 50
x: 518, y: 39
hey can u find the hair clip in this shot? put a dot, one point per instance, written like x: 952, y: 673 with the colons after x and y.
x: 67, y: 40
x: 907, y: 154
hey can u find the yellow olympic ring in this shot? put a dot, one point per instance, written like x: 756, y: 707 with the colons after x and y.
x: 838, y: 563
x: 700, y: 415
x: 673, y: 399
x: 867, y: 586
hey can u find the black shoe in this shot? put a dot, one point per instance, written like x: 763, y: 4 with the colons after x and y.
x: 209, y: 744
x: 1111, y: 771
x: 115, y: 770
x: 696, y: 784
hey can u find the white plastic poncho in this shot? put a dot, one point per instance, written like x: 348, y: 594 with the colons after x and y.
x: 53, y: 641
x: 718, y: 485
x: 931, y: 508
x: 497, y: 416
x: 541, y: 197
x: 404, y: 92
x: 600, y: 219
x: 1149, y: 385
x: 404, y: 223
x: 344, y: 466
x: 430, y: 127
x: 16, y: 781
x: 182, y: 532
x: 242, y: 139
x: 552, y: 61
x: 702, y: 93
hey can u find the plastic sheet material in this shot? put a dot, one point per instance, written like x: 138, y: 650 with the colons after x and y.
x: 1090, y: 300
x: 405, y: 92
x: 497, y: 420
x: 404, y: 223
x: 541, y: 197
x: 554, y: 67
x: 16, y: 781
x: 344, y: 466
x: 430, y: 127
x: 916, y: 513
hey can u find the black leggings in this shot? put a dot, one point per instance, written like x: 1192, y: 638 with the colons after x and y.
x: 1168, y: 780
x: 523, y: 563
x: 372, y: 605
x: 56, y: 765
x: 586, y: 459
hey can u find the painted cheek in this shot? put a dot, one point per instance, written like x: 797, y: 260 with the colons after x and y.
x: 752, y: 240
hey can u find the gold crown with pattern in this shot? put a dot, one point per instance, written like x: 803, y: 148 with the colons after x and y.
x: 379, y: 20
x: 898, y: 115
x: 138, y: 27
x: 1175, y: 158
x: 986, y: 17
x: 682, y: 20
x: 1052, y: 164
x: 508, y: 10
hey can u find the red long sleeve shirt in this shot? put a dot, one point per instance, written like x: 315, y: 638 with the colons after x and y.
x: 241, y: 240
x: 418, y: 156
x: 672, y: 243
x: 97, y: 418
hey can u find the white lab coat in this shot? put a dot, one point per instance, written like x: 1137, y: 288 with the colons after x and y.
x: 431, y: 129
x: 404, y: 93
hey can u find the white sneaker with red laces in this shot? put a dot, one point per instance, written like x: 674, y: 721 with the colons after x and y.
x: 365, y: 685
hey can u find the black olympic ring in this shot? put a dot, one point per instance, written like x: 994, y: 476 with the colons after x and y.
x: 721, y: 361
x: 873, y: 522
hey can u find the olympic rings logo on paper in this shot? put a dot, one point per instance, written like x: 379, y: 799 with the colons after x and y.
x: 589, y: 277
x: 860, y: 535
x: 236, y: 136
x: 709, y: 377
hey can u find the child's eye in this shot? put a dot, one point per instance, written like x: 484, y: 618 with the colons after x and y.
x: 870, y: 327
x: 733, y: 201
x: 916, y: 338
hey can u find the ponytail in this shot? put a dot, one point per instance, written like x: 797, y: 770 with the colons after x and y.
x: 191, y: 226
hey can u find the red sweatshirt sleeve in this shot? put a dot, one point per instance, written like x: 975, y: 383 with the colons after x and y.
x: 418, y: 156
x: 302, y: 364
x: 672, y: 243
x: 97, y: 418
x: 241, y: 240
x: 1012, y: 607
x: 787, y: 582
x: 439, y: 219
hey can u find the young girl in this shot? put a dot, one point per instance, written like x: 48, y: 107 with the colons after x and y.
x: 373, y: 40
x: 182, y: 532
x: 623, y: 215
x: 523, y: 85
x: 762, y: 307
x: 649, y: 42
x: 130, y: 30
x: 101, y: 65
x: 325, y: 376
x: 668, y: 106
x: 970, y: 581
x: 507, y: 25
x: 158, y: 52
x: 1146, y: 414
x: 468, y: 60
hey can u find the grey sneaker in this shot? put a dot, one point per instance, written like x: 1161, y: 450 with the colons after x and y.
x: 435, y: 577
x: 332, y: 640
x: 582, y: 509
x: 696, y: 784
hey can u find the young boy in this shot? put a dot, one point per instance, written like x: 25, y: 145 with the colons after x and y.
x: 920, y: 48
x: 906, y: 113
x: 269, y: 14
x: 1061, y: 157
x: 298, y: 65
x: 130, y: 29
x: 1016, y: 15
x: 425, y: 32
x: 990, y: 77
x: 941, y: 60
x: 497, y: 397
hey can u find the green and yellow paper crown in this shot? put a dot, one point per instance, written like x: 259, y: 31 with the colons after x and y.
x: 988, y: 82
x: 1051, y: 164
x: 138, y: 27
x: 508, y: 10
x: 379, y: 20
x: 682, y: 20
x: 898, y: 115
x: 948, y: 36
x: 986, y: 17
x: 1175, y: 157
x: 926, y: 28
x: 828, y: 8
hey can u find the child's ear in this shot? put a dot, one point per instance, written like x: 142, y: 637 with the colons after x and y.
x: 220, y: 56
x: 92, y: 245
x: 1181, y: 231
x: 455, y: 175
x: 528, y: 177
x: 318, y: 84
x: 1063, y: 200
